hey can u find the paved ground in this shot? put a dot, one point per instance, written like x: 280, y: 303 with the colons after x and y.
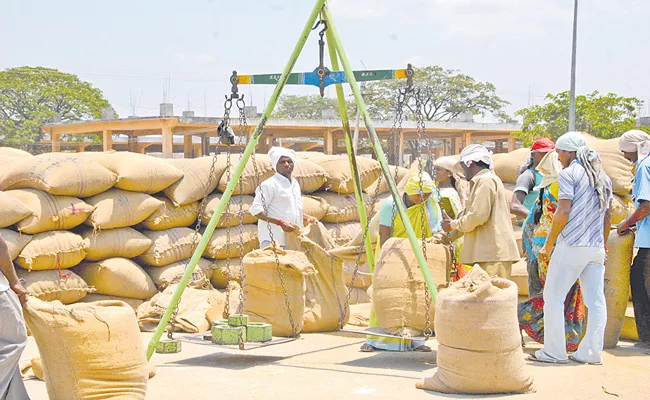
x: 327, y: 366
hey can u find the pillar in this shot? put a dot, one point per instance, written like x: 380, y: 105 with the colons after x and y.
x: 454, y: 146
x: 133, y: 143
x: 107, y: 140
x: 167, y: 142
x: 512, y: 143
x: 498, y: 146
x: 188, y: 148
x: 467, y: 139
x: 328, y: 142
x: 205, y: 144
x: 56, y: 142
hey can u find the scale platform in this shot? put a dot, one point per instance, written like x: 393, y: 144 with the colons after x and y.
x: 198, y: 338
x: 371, y: 332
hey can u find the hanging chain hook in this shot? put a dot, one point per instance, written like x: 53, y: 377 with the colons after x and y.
x: 322, y: 71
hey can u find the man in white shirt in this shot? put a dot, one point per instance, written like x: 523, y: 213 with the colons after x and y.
x: 278, y: 201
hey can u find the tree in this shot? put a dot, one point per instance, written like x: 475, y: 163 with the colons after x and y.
x: 305, y: 107
x: 604, y: 116
x: 33, y: 96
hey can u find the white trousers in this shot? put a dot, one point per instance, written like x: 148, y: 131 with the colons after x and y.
x: 568, y: 263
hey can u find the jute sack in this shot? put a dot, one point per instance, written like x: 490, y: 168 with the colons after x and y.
x: 11, y: 152
x: 224, y: 269
x: 340, y: 174
x: 520, y: 276
x: 506, y: 165
x: 359, y: 296
x: 117, y: 277
x: 383, y: 185
x: 52, y: 250
x: 218, y: 303
x: 249, y: 179
x: 16, y: 242
x: 318, y: 234
x: 120, y: 208
x: 231, y: 215
x: 170, y: 274
x: 315, y: 206
x: 344, y: 232
x: 51, y: 213
x: 313, y: 156
x: 617, y: 283
x: 12, y: 210
x: 94, y: 297
x: 520, y: 242
x: 89, y: 350
x: 343, y: 208
x: 615, y: 165
x: 360, y: 315
x: 196, y: 174
x: 363, y: 277
x: 137, y: 172
x: 398, y: 285
x: 58, y: 174
x: 64, y: 286
x: 263, y: 295
x: 169, y: 216
x: 622, y: 207
x: 479, y: 349
x: 219, y: 248
x: 169, y: 246
x: 326, y: 292
x: 109, y: 243
x: 309, y: 175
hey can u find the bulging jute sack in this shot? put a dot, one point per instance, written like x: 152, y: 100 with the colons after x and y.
x: 12, y: 210
x: 617, y: 283
x: 117, y: 277
x: 94, y: 297
x: 340, y: 174
x: 318, y: 234
x: 52, y: 250
x: 169, y: 246
x: 219, y: 248
x: 16, y: 242
x: 224, y: 271
x: 110, y: 243
x: 615, y: 165
x: 249, y: 180
x: 263, y: 294
x: 315, y: 206
x: 170, y: 274
x: 344, y: 232
x: 343, y: 208
x: 169, y: 216
x: 51, y: 213
x: 309, y: 175
x: 383, y: 185
x: 479, y: 349
x: 64, y: 286
x: 520, y: 277
x: 10, y: 152
x: 362, y: 278
x: 360, y: 296
x: 398, y: 285
x: 196, y: 174
x: 506, y: 165
x: 232, y: 215
x: 120, y: 208
x: 59, y: 174
x: 89, y: 350
x: 622, y: 207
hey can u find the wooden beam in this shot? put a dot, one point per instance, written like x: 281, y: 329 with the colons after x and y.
x: 328, y: 142
x: 454, y: 146
x: 467, y: 138
x: 167, y: 141
x: 205, y: 145
x: 107, y: 140
x: 188, y: 148
x: 56, y: 142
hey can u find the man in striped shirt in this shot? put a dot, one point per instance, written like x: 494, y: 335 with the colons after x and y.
x: 581, y: 226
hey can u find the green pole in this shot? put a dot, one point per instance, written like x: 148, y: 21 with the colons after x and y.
x: 209, y: 230
x: 381, y: 157
x: 358, y: 193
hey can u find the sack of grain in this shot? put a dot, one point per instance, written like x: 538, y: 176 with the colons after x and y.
x: 315, y: 206
x: 51, y: 213
x: 313, y: 156
x: 10, y: 152
x: 340, y: 174
x: 218, y: 303
x: 383, y: 185
x: 196, y: 174
x: 89, y: 350
x: 170, y: 216
x: 52, y: 250
x: 16, y: 242
x: 64, y: 286
x: 225, y: 271
x: 170, y: 274
x: 622, y: 207
x: 309, y: 175
x: 398, y: 285
x: 12, y: 210
x: 263, y: 296
x: 615, y: 165
x: 249, y: 180
x: 343, y: 208
x: 343, y: 233
x: 169, y: 246
x: 219, y: 248
x: 58, y: 174
x: 360, y: 315
x: 617, y: 283
x: 362, y: 278
x: 109, y: 243
x: 117, y: 277
x: 520, y: 276
x: 479, y: 355
x: 318, y: 234
x: 94, y: 297
x: 359, y: 296
x: 120, y: 208
x: 506, y: 165
x: 231, y: 215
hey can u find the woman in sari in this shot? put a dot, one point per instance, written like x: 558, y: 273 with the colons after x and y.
x: 536, y: 227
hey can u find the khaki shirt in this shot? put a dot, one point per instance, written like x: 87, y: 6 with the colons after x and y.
x: 486, y: 222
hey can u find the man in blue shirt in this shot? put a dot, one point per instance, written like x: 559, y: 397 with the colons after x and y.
x: 635, y: 146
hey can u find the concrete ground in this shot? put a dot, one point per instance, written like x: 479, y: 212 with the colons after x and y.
x: 327, y: 366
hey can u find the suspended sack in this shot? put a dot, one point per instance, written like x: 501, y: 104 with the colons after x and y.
x: 94, y: 297
x: 52, y: 250
x: 617, y: 283
x: 264, y: 299
x: 344, y: 232
x: 614, y: 164
x: 219, y: 248
x: 117, y: 277
x: 343, y: 208
x: 50, y: 213
x: 64, y: 285
x: 169, y: 246
x: 383, y: 185
x: 192, y: 186
x: 109, y: 243
x: 225, y: 271
x: 58, y: 174
x: 12, y: 210
x: 249, y: 180
x: 120, y: 208
x: 479, y: 349
x: 341, y: 177
x: 315, y: 206
x: 89, y: 351
x: 170, y: 274
x: 231, y: 215
x: 622, y: 207
x: 310, y: 175
x: 169, y: 216
x: 16, y: 242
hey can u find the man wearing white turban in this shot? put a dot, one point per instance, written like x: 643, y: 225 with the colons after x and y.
x: 278, y: 201
x: 635, y: 146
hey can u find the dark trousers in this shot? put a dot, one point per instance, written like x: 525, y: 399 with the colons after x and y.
x: 640, y: 282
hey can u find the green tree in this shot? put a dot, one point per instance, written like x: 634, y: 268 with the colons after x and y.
x: 33, y: 96
x: 305, y: 107
x: 604, y: 116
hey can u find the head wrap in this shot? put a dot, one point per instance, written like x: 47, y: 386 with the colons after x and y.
x: 590, y: 160
x: 550, y: 167
x: 413, y: 185
x: 278, y: 152
x: 476, y: 153
x: 635, y: 141
x: 543, y: 145
x: 571, y: 141
x: 449, y: 163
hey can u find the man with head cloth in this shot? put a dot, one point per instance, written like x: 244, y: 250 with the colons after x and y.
x: 489, y: 239
x: 635, y: 146
x: 278, y: 201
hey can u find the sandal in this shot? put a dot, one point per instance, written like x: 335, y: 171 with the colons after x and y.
x: 572, y: 358
x: 423, y: 349
x: 533, y: 357
x: 366, y: 348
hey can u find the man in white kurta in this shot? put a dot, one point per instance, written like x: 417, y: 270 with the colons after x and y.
x: 278, y: 201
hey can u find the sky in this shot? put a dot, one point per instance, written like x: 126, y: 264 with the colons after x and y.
x: 136, y: 50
